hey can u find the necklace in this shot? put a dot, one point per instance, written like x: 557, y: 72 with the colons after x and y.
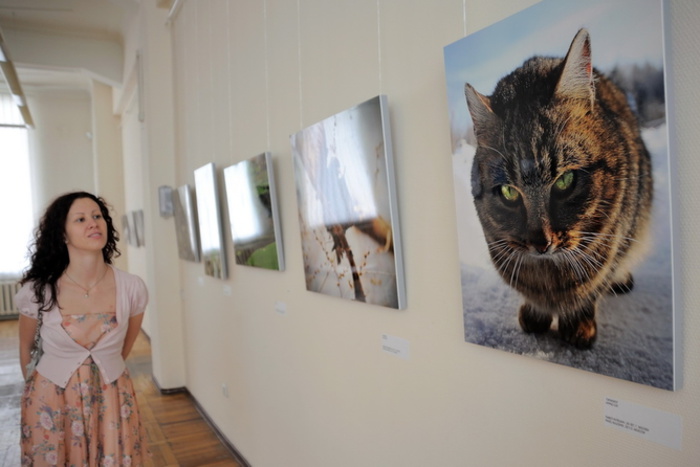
x: 88, y: 289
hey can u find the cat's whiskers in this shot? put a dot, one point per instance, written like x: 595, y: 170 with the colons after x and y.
x: 500, y: 244
x: 504, y: 258
x: 590, y: 259
x: 593, y: 259
x: 599, y: 256
x: 515, y: 273
x: 606, y: 283
x: 583, y: 260
x: 497, y: 242
x: 579, y: 271
x: 574, y: 259
x: 579, y: 254
x: 517, y: 277
x: 589, y: 253
x: 498, y: 247
x: 608, y: 237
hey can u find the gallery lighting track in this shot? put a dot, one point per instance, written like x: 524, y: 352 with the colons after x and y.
x: 8, y: 70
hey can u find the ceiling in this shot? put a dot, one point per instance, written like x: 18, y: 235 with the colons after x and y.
x: 84, y: 16
x: 103, y: 19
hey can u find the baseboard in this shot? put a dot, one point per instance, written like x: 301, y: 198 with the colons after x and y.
x: 168, y: 391
x: 231, y: 448
x: 227, y: 444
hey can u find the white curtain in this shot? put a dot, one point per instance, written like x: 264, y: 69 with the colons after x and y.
x: 16, y: 213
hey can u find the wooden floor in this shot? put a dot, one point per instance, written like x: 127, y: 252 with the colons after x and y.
x: 177, y: 433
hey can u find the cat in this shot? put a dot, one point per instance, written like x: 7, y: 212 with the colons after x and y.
x: 562, y: 186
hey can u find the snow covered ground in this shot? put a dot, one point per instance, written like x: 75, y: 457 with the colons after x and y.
x: 635, y: 331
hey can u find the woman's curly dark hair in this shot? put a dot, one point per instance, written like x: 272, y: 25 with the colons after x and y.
x: 49, y: 257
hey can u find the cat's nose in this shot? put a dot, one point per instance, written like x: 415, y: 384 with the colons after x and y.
x: 541, y: 248
x: 538, y: 242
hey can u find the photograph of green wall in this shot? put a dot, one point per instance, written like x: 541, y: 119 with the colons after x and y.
x: 348, y: 213
x: 251, y: 198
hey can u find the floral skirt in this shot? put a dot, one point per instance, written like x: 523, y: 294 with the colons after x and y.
x: 87, y: 424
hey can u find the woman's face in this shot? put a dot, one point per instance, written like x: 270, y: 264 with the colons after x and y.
x: 85, y: 229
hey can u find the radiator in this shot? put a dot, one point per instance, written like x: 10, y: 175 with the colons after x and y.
x: 8, y: 289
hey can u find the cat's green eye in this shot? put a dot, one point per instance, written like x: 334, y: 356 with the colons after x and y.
x: 509, y: 193
x: 565, y: 181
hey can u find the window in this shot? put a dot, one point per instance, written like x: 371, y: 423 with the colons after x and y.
x: 16, y: 209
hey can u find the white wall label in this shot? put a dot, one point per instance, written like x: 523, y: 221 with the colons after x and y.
x: 227, y: 290
x: 395, y: 346
x: 655, y: 425
x: 281, y: 308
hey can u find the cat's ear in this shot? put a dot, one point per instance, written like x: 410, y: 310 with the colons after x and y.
x: 485, y: 123
x: 576, y: 81
x: 483, y: 117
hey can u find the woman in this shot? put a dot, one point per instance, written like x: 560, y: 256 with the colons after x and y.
x: 78, y: 407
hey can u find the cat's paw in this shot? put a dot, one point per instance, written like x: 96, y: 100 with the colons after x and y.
x: 533, y: 322
x: 623, y: 287
x: 581, y: 334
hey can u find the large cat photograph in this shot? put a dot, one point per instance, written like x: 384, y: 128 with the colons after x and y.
x: 562, y: 187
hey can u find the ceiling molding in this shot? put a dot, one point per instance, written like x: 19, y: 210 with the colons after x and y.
x: 104, y: 19
x: 48, y: 27
x: 34, y: 51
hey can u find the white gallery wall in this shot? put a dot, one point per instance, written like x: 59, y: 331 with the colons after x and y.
x: 60, y: 145
x: 311, y: 386
x: 133, y: 190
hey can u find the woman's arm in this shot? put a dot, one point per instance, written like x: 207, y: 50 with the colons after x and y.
x: 132, y: 333
x: 27, y: 329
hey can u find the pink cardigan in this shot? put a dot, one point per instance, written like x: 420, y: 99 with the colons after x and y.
x: 62, y: 355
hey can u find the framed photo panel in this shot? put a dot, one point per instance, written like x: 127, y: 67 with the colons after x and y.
x: 562, y: 177
x: 210, y: 225
x: 253, y: 214
x: 186, y: 229
x: 133, y: 232
x: 348, y: 214
x: 126, y: 229
x: 139, y: 228
x: 165, y: 201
